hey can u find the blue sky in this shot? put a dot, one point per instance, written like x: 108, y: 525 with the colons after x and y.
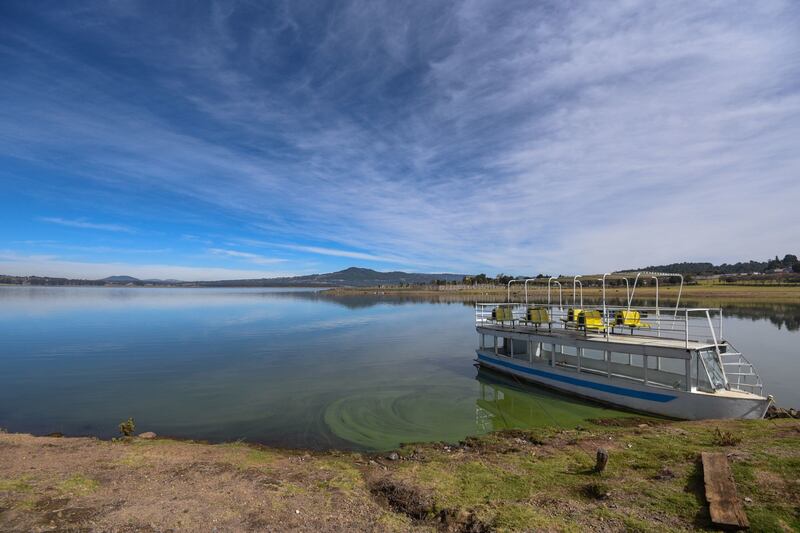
x: 214, y: 140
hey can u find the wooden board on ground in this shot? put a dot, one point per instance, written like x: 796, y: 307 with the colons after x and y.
x: 723, y: 502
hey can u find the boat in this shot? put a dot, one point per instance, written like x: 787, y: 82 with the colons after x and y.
x: 669, y: 361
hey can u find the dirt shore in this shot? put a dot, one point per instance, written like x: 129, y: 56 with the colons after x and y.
x: 510, y: 481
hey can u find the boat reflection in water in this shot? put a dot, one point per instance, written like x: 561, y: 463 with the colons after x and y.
x: 504, y: 403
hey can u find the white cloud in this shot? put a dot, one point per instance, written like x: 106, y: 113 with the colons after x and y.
x: 36, y: 265
x: 247, y: 256
x: 83, y: 224
x: 321, y: 250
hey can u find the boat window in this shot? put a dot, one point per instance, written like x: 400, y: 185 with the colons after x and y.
x: 715, y: 373
x: 699, y: 375
x: 520, y: 349
x: 621, y: 358
x: 597, y: 355
x: 672, y: 372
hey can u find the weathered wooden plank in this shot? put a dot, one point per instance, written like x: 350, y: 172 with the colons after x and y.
x: 723, y: 502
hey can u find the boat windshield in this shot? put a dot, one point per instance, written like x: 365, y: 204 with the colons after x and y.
x: 715, y: 373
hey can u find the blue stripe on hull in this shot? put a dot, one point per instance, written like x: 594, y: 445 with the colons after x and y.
x: 633, y: 393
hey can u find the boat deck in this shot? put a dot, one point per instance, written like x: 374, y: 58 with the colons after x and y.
x: 567, y: 336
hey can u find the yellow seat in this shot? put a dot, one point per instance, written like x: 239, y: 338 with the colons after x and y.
x: 502, y: 314
x: 630, y: 319
x: 591, y: 320
x: 573, y: 315
x: 537, y: 316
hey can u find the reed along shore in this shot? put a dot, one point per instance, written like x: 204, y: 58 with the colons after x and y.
x: 708, y: 293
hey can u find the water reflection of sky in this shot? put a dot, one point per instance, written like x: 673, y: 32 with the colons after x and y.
x: 292, y: 369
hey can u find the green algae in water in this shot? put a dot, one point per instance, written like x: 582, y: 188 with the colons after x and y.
x: 382, y: 419
x: 505, y: 406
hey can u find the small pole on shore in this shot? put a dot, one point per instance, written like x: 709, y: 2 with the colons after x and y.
x: 602, y: 460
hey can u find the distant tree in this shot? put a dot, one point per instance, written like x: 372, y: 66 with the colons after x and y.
x: 774, y: 263
x: 503, y: 279
x: 796, y: 267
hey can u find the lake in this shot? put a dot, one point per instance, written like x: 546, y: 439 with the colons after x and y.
x: 290, y: 368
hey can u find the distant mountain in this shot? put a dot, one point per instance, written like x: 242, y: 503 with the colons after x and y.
x: 350, y: 277
x: 120, y: 279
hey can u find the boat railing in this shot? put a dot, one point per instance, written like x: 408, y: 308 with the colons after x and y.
x: 739, y: 372
x: 687, y: 324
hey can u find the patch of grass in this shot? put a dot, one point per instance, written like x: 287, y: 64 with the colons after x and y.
x: 596, y: 491
x: 772, y: 519
x: 16, y: 485
x: 477, y: 482
x: 524, y: 517
x: 291, y: 489
x: 260, y: 457
x: 389, y: 521
x: 150, y: 443
x: 133, y: 460
x: 676, y: 499
x: 78, y: 485
x: 742, y: 472
x: 27, y: 504
x: 340, y: 475
x: 633, y: 524
x: 246, y: 455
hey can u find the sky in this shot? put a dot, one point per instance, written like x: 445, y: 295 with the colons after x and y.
x: 221, y: 140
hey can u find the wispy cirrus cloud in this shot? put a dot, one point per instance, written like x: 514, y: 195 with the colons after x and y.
x: 16, y: 264
x: 247, y: 256
x: 84, y: 224
x: 496, y: 136
x: 321, y: 250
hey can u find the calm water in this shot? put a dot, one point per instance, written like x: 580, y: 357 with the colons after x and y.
x: 288, y: 368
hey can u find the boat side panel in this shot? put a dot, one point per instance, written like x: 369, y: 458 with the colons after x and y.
x: 638, y: 397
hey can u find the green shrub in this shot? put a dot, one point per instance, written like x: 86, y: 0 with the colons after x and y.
x: 127, y: 428
x: 725, y: 438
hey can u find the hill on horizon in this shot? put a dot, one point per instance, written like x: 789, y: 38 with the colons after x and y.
x: 349, y: 277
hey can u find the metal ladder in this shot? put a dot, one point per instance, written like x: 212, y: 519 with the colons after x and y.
x: 735, y: 365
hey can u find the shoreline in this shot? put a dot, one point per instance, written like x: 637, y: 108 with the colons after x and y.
x: 513, y: 480
x: 772, y: 293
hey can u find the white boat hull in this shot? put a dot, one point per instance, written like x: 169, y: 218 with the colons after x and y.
x: 629, y: 394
